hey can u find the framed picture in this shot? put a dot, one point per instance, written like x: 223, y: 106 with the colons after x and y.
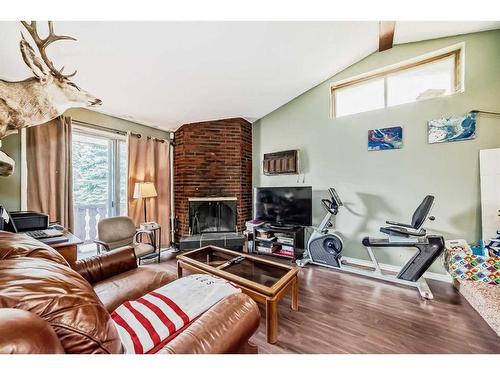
x: 385, y: 139
x: 452, y: 129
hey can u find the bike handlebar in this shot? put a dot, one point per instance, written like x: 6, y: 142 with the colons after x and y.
x: 329, y: 206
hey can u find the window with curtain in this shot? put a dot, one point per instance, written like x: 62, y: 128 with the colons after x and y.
x: 99, y: 166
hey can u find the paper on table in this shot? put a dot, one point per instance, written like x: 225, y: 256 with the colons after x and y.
x: 5, y: 216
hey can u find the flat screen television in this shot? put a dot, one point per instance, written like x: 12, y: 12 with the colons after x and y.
x: 283, y: 205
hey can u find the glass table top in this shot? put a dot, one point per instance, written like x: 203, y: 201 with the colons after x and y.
x: 250, y: 269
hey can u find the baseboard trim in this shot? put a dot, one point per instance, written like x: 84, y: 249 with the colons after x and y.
x: 392, y: 268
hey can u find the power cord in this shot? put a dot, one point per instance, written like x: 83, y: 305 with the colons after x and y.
x: 485, y: 112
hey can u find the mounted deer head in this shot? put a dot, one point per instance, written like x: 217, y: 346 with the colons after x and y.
x: 41, y: 98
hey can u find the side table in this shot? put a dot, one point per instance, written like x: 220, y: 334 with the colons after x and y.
x: 155, y: 230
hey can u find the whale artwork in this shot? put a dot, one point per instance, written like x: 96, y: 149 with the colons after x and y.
x: 452, y: 129
x: 385, y: 139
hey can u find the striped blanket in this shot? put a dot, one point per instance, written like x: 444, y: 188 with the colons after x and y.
x: 148, y: 323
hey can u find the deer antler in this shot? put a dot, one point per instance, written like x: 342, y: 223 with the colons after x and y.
x: 43, y: 43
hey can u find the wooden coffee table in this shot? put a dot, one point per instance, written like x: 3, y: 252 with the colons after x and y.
x: 265, y: 281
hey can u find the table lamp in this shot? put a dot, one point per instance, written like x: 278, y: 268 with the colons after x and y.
x: 144, y: 190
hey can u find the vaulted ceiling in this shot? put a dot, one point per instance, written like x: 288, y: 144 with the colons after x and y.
x: 169, y: 73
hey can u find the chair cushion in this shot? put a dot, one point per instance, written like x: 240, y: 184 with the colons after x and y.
x: 132, y: 284
x: 148, y: 323
x: 142, y: 249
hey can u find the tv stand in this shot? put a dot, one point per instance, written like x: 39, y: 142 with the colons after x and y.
x: 278, y: 226
x: 280, y: 241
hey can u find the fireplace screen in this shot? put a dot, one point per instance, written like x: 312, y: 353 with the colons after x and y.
x: 212, y: 216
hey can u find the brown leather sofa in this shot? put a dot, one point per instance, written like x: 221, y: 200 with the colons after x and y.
x: 46, y: 306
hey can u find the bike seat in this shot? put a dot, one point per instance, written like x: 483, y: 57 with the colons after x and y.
x: 402, y: 232
x: 385, y: 242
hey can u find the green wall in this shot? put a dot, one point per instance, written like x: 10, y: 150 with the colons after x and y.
x: 380, y: 185
x: 10, y: 187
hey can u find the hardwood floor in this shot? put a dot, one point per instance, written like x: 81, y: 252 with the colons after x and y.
x: 342, y: 313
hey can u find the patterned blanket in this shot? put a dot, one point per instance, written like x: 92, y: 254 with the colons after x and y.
x: 146, y: 324
x: 470, y: 267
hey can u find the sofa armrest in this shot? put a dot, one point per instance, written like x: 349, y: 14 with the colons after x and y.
x: 225, y: 328
x: 103, y: 266
x: 22, y: 332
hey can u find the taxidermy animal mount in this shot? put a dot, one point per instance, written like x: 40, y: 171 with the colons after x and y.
x: 41, y: 98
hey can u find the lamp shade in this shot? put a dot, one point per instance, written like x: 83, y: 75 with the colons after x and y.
x: 144, y: 190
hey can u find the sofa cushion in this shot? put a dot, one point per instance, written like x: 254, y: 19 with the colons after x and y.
x: 18, y: 245
x: 148, y: 323
x: 22, y: 332
x: 37, y: 280
x: 224, y: 328
x: 132, y: 284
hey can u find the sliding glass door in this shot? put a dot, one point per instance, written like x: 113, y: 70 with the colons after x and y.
x: 99, y: 178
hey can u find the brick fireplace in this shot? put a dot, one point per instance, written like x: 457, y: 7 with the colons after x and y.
x: 213, y: 159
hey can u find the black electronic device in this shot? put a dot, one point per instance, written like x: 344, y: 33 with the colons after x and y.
x: 27, y: 221
x: 286, y: 206
x: 33, y: 224
x: 6, y: 222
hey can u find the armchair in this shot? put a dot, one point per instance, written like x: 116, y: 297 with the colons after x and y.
x: 118, y: 232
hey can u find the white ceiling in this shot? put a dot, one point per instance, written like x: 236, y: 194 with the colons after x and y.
x: 169, y: 73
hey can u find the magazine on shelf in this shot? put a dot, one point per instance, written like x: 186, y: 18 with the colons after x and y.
x: 264, y: 234
x: 269, y: 239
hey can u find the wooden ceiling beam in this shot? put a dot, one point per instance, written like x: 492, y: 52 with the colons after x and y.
x: 386, y: 35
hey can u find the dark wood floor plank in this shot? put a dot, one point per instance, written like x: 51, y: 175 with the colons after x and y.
x: 343, y: 313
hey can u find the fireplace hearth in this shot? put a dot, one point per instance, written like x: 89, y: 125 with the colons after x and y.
x: 212, y: 215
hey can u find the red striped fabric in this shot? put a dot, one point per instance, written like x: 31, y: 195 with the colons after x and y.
x: 135, y: 340
x: 148, y: 323
x: 160, y: 314
x: 144, y: 322
x: 172, y: 305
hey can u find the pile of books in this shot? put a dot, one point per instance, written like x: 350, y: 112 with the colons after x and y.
x: 253, y: 223
x: 268, y: 248
x: 284, y: 239
x: 269, y: 242
x: 285, y: 251
x: 264, y: 235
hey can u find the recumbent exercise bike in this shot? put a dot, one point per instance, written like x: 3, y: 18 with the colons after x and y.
x: 325, y: 249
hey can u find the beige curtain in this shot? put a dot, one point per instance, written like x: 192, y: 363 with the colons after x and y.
x: 149, y: 161
x: 50, y: 180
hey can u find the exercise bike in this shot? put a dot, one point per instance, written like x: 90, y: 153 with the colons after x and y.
x: 325, y: 249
